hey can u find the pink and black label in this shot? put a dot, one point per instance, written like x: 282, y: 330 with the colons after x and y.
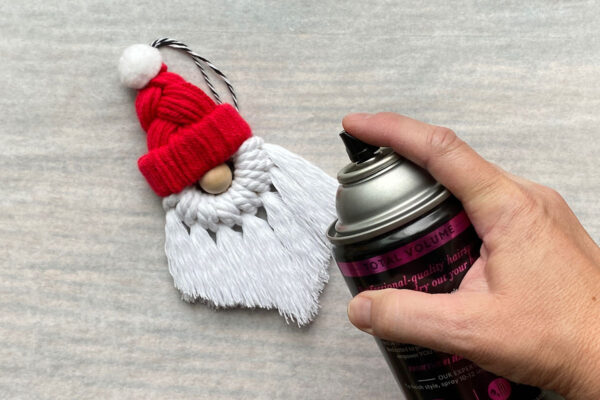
x: 409, y: 252
x: 434, y: 262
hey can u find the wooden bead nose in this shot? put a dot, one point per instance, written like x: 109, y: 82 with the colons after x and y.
x: 217, y: 180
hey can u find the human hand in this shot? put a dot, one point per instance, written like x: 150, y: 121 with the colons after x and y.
x: 529, y: 307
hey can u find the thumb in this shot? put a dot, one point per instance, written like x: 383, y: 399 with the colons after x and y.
x: 447, y: 322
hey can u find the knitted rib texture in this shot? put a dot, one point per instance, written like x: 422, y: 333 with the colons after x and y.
x: 187, y: 133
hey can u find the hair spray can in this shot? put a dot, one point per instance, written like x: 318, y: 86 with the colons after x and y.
x: 399, y: 228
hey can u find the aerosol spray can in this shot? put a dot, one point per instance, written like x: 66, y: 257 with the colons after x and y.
x: 399, y: 228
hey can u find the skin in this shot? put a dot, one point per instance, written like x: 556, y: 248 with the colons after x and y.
x: 529, y: 308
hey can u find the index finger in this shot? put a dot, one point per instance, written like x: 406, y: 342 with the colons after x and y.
x: 484, y: 189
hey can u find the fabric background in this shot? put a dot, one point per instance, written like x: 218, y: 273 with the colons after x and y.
x: 87, y: 306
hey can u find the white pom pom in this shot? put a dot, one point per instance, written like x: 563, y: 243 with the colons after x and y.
x: 138, y: 65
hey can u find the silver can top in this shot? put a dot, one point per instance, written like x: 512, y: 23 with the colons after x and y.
x: 379, y: 194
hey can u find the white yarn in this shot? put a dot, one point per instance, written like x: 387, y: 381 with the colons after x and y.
x: 138, y: 64
x: 220, y: 251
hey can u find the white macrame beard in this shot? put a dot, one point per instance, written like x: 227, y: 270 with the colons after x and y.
x: 259, y: 244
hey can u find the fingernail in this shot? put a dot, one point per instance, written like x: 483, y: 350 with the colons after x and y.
x: 359, y: 313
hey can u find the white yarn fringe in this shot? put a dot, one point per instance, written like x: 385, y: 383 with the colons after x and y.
x: 220, y: 251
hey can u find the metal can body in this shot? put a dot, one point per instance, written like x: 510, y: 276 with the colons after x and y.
x: 431, y: 254
x: 399, y: 228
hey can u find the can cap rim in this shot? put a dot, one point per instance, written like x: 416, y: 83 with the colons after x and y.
x: 389, y: 223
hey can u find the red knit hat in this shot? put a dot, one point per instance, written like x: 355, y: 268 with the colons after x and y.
x: 221, y: 233
x: 187, y: 133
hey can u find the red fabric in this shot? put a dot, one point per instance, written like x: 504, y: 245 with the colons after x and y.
x: 188, y: 134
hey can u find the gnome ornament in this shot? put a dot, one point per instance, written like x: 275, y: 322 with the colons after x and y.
x: 245, y: 220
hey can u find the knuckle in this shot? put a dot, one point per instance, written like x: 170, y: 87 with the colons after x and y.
x: 442, y: 140
x: 524, y: 204
x: 530, y: 209
x: 385, y: 316
x: 494, y: 189
x: 471, y: 325
x: 525, y: 201
x: 490, y: 185
x: 553, y: 197
x: 459, y: 326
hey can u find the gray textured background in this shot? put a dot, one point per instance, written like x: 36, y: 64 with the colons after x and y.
x: 87, y: 307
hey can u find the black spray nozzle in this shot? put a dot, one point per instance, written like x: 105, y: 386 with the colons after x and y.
x: 357, y: 150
